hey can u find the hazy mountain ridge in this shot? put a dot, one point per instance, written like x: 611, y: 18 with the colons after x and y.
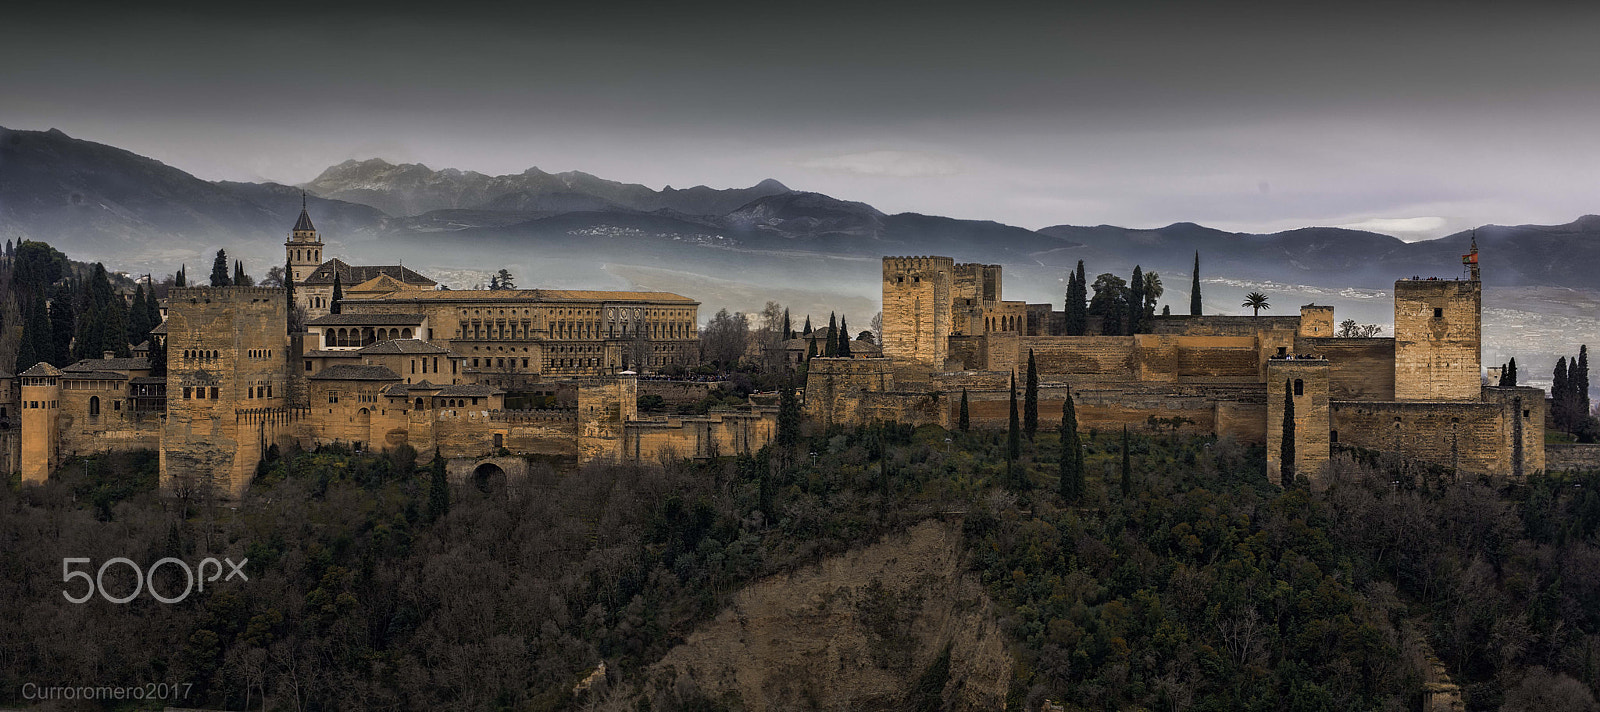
x: 104, y: 202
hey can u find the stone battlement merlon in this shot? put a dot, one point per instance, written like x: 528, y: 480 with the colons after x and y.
x: 919, y: 263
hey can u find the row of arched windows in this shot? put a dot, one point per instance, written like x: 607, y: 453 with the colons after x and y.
x: 200, y: 354
x: 1002, y: 323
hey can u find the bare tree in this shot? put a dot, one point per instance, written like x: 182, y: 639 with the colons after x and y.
x: 877, y: 328
x: 725, y: 338
x: 274, y: 277
x: 1349, y: 329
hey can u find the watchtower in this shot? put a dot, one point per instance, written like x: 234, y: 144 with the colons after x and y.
x: 226, y: 386
x: 1305, y: 381
x: 304, y: 247
x: 1438, y: 334
x: 41, y: 408
x: 917, y: 310
x: 1316, y: 321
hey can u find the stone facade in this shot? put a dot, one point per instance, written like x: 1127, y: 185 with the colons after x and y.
x: 948, y: 330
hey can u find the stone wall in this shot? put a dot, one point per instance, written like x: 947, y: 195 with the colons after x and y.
x: 677, y: 392
x: 740, y: 432
x: 1438, y: 336
x: 1307, y: 380
x: 1360, y: 369
x: 833, y: 386
x: 1472, y: 437
x: 1524, y: 411
x: 1572, y: 457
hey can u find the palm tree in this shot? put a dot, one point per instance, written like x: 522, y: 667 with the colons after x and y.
x: 1256, y: 301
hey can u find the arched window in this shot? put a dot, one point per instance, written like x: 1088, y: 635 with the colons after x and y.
x: 405, y: 333
x: 419, y: 404
x: 94, y: 405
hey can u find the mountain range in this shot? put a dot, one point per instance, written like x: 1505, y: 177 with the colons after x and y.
x: 106, y: 203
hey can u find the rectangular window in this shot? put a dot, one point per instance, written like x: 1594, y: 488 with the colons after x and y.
x: 213, y: 393
x: 1438, y: 313
x: 308, y: 365
x: 186, y: 393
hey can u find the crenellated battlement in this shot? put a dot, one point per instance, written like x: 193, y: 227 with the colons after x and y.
x: 922, y: 263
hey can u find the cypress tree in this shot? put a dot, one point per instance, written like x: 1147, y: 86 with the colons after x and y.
x: 1070, y: 485
x: 1286, y: 449
x: 1558, y: 395
x: 438, y: 488
x: 1066, y: 301
x: 1030, y: 399
x: 844, y: 339
x: 808, y: 325
x: 788, y: 333
x: 964, y: 422
x: 27, y: 348
x: 238, y: 273
x: 180, y: 279
x: 138, y: 319
x: 158, y: 356
x: 338, y: 294
x: 811, y: 349
x: 1127, y: 465
x: 288, y: 293
x: 1511, y: 372
x: 788, y: 419
x: 1136, y: 301
x: 219, y: 270
x: 63, y: 323
x: 114, y: 328
x: 833, y: 336
x: 1579, y: 376
x: 1194, y: 287
x: 1077, y: 316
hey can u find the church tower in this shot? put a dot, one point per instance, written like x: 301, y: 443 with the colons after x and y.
x: 304, y: 247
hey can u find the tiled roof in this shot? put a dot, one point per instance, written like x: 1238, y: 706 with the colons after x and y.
x: 148, y: 380
x: 469, y: 390
x: 41, y: 369
x: 347, y: 319
x: 94, y: 376
x: 354, y: 372
x: 401, y: 389
x: 352, y: 275
x: 304, y: 223
x: 110, y: 364
x: 160, y: 330
x: 532, y: 295
x: 404, y: 346
x: 325, y: 353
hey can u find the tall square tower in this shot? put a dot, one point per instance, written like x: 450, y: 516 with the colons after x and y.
x: 1438, y: 334
x: 917, y: 299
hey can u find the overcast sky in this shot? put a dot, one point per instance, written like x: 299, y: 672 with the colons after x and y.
x: 1414, y: 121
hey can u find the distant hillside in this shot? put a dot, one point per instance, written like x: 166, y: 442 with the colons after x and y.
x: 103, y: 202
x: 413, y: 189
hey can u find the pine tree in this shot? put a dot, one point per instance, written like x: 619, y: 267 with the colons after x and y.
x: 844, y: 339
x: 338, y: 294
x: 1286, y: 454
x: 964, y: 422
x: 1070, y: 485
x: 1194, y: 288
x: 1558, y: 395
x: 438, y: 488
x: 1136, y: 301
x: 219, y: 270
x: 1127, y: 465
x: 1030, y: 399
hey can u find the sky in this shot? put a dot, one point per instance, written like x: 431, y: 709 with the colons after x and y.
x: 1413, y: 119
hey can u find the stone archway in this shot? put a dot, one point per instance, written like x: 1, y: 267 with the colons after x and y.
x: 489, y: 478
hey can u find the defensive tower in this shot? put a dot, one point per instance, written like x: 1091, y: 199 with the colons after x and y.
x: 916, y: 310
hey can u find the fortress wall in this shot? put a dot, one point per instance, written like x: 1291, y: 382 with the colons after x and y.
x: 1572, y: 457
x: 1097, y: 406
x: 1084, y: 358
x: 1244, y: 421
x: 1525, y: 412
x: 1305, y: 381
x: 1474, y: 437
x: 1360, y: 369
x: 116, y: 429
x: 830, y: 383
x: 713, y: 435
x: 970, y: 352
x: 1207, y: 358
x: 1438, y: 338
x: 677, y: 392
x: 1222, y: 325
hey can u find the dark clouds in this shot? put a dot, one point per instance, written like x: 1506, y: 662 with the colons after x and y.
x: 1142, y: 114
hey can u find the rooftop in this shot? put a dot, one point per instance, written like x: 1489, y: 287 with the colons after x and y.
x: 352, y: 275
x: 354, y: 372
x: 374, y: 319
x: 403, y: 346
x: 531, y: 295
x: 110, y: 364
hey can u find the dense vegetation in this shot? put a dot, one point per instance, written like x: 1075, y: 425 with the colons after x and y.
x: 1201, y: 588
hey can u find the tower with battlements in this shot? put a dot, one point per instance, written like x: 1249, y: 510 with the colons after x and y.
x: 917, y: 310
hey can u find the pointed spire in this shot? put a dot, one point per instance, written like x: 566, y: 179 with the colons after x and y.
x: 304, y: 223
